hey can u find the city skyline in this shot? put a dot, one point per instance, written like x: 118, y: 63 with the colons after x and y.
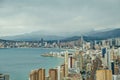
x: 24, y: 16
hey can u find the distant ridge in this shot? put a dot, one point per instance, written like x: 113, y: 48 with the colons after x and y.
x: 106, y: 34
x: 34, y: 36
x: 97, y: 35
x: 93, y: 35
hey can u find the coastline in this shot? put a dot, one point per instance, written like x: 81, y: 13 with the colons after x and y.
x: 26, y: 59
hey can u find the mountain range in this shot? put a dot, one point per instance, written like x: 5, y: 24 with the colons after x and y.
x: 97, y: 35
x: 106, y: 34
x: 91, y: 35
x: 33, y: 36
x: 37, y: 35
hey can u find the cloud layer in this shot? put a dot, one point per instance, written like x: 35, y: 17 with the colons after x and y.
x: 23, y: 16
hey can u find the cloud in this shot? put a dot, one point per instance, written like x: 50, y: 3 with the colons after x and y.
x: 21, y: 16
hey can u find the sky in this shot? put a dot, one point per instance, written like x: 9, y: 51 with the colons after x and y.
x: 24, y: 16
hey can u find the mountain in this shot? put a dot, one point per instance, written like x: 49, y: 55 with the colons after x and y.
x: 33, y: 36
x: 106, y: 34
x: 37, y: 35
x: 97, y: 35
x: 91, y: 35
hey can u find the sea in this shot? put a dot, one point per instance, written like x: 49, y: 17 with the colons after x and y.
x: 19, y: 62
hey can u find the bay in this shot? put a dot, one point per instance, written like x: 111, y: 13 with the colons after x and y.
x: 18, y: 62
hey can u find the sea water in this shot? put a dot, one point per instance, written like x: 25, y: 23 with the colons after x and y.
x: 18, y: 62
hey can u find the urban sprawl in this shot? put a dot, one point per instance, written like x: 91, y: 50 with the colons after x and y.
x: 92, y: 60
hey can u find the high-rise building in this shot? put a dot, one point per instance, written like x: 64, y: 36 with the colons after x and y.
x: 116, y: 77
x: 80, y: 59
x: 82, y: 43
x: 47, y: 78
x: 103, y: 52
x: 116, y: 70
x: 106, y: 58
x: 112, y: 67
x: 117, y: 41
x: 37, y: 74
x: 41, y: 74
x: 42, y: 42
x: 103, y: 75
x: 4, y: 77
x: 34, y: 75
x: 58, y: 72
x: 62, y: 71
x: 110, y: 42
x: 119, y: 51
x: 1, y: 77
x: 112, y: 53
x: 53, y: 74
x: 71, y: 62
x: 66, y: 64
x: 89, y: 67
x: 109, y: 60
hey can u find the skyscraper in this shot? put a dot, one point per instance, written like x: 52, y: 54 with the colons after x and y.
x: 82, y: 43
x: 71, y: 62
x: 103, y: 52
x: 112, y: 67
x: 58, y: 72
x: 4, y: 77
x: 34, y: 75
x: 42, y: 42
x: 37, y: 74
x: 66, y: 64
x: 41, y: 74
x: 109, y: 60
x: 53, y: 74
x: 62, y: 71
x: 80, y: 59
x: 103, y: 75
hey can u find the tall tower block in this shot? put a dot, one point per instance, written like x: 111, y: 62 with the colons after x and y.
x: 53, y: 74
x: 103, y: 75
x: 66, y: 63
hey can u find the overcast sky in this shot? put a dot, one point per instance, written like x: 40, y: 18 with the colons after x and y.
x: 24, y: 16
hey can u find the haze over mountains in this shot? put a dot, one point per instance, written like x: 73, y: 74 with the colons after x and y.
x: 99, y: 35
x: 35, y: 36
x: 106, y: 34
